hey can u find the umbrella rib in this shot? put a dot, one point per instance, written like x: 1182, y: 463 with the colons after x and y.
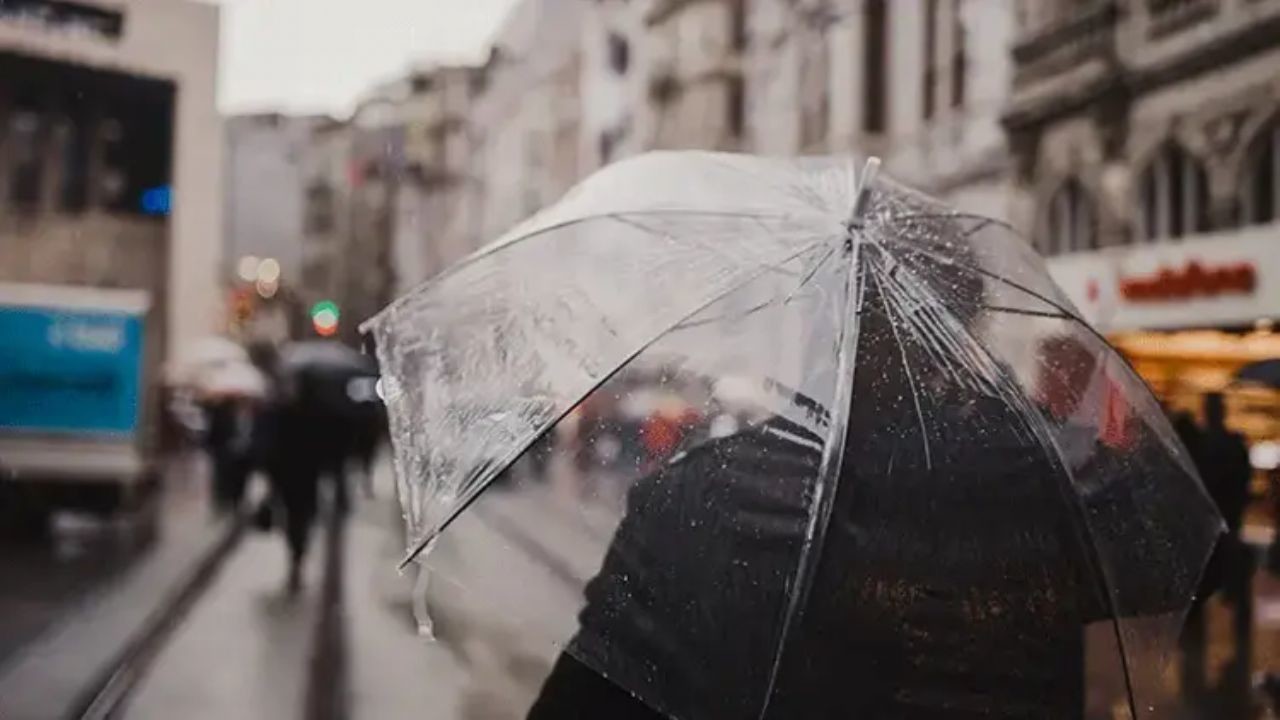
x: 906, y: 365
x: 490, y: 470
x: 829, y: 469
x: 698, y: 242
x: 1000, y: 278
x: 767, y: 304
x: 1031, y: 313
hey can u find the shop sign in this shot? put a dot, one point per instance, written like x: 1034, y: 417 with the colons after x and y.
x: 1225, y: 279
x: 1193, y: 279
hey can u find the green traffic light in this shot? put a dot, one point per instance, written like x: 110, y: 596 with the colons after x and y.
x: 325, y: 307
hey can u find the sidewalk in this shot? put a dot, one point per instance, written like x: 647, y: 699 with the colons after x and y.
x: 243, y: 651
x: 48, y: 677
x: 492, y: 647
x: 394, y: 672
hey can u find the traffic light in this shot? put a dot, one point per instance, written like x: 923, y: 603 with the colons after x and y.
x: 324, y: 318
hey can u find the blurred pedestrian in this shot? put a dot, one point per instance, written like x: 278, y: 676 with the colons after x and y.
x: 1223, y: 459
x: 287, y: 445
x: 1195, y: 632
x: 229, y: 443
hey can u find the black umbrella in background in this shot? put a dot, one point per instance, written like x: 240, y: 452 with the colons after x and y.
x: 340, y: 378
x: 1263, y: 372
x: 327, y: 357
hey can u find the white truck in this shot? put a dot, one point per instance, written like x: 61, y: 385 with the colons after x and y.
x: 73, y: 384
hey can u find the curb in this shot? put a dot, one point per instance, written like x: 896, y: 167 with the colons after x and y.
x: 107, y: 695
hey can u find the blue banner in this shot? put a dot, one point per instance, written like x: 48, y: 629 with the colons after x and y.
x: 69, y: 371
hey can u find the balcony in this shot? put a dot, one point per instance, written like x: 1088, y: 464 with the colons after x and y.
x: 1083, y: 34
x: 1171, y: 16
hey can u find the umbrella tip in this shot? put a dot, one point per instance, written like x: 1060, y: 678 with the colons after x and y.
x: 862, y: 194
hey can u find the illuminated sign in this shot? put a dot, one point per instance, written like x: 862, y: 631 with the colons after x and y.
x: 1192, y: 280
x: 157, y: 200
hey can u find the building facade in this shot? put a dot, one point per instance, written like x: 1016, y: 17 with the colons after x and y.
x: 111, y: 153
x: 526, y: 120
x: 326, y: 215
x: 613, y: 81
x: 1145, y: 137
x: 901, y: 80
x: 436, y: 204
x: 264, y: 192
x: 696, y: 87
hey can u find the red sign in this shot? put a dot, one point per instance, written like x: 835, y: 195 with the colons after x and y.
x: 1191, y: 281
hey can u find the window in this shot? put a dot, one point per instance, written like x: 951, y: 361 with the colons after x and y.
x: 875, y: 66
x: 1175, y: 196
x: 738, y: 24
x: 74, y: 136
x: 605, y: 147
x: 1262, y: 184
x: 930, y: 58
x: 815, y: 98
x: 112, y: 181
x: 72, y: 17
x: 959, y: 56
x: 27, y: 142
x: 619, y: 54
x: 737, y: 101
x: 420, y: 83
x: 320, y: 210
x: 1071, y: 224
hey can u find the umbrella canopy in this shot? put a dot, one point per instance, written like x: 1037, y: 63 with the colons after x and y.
x: 1263, y: 372
x: 327, y: 357
x: 203, y: 356
x: 241, y: 380
x: 949, y: 493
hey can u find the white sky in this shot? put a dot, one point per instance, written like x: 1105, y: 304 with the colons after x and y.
x: 320, y: 55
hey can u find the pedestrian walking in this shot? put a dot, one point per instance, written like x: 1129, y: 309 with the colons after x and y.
x: 230, y: 395
x: 285, y: 445
x: 229, y: 442
x: 1223, y: 458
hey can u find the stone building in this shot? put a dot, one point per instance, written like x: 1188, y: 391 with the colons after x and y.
x: 111, y: 154
x: 526, y: 119
x: 437, y: 199
x: 613, y: 81
x: 1146, y: 139
x: 326, y: 217
x: 903, y: 80
x: 696, y: 87
x: 264, y: 190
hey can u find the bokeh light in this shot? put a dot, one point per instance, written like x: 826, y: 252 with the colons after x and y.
x: 269, y: 270
x: 247, y: 268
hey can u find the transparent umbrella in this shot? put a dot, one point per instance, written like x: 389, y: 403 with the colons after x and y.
x: 907, y: 479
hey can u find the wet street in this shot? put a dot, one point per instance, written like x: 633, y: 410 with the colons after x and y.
x: 361, y: 639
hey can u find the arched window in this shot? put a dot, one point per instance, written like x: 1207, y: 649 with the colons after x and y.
x: 1262, y: 179
x: 1070, y: 223
x: 1175, y: 196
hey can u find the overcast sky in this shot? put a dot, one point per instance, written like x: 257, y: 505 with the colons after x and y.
x: 319, y: 55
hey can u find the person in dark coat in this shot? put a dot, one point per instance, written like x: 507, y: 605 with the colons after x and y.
x: 289, y: 432
x: 229, y: 441
x: 954, y: 579
x: 1223, y: 458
